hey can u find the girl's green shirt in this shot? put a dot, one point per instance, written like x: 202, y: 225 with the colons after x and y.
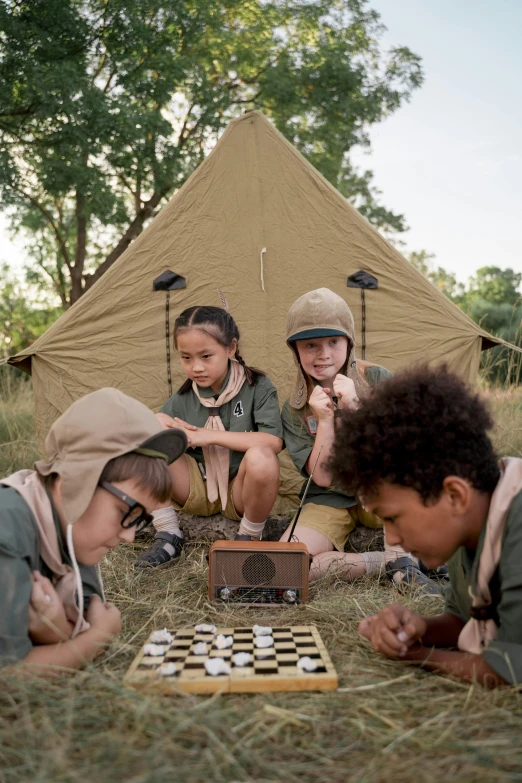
x: 254, y: 409
x: 299, y: 440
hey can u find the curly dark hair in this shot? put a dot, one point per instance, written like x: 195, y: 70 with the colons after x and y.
x: 414, y: 430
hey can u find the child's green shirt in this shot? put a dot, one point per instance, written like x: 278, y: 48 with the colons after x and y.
x: 19, y: 557
x: 504, y: 654
x: 299, y: 441
x: 253, y: 409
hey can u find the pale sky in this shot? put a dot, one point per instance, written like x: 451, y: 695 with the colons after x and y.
x: 450, y: 160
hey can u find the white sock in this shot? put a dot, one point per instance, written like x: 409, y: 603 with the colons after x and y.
x: 374, y: 562
x: 392, y: 553
x: 248, y: 528
x: 165, y: 520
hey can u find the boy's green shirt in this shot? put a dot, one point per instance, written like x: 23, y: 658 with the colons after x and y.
x: 504, y: 654
x: 19, y: 557
x: 300, y: 442
x: 253, y: 409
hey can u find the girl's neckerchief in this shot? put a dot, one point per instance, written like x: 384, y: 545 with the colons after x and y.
x: 217, y: 458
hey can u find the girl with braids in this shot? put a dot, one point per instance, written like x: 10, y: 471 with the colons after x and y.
x: 230, y: 414
x: 321, y: 336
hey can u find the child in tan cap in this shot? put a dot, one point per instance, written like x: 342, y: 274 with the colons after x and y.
x: 321, y: 335
x: 107, y: 471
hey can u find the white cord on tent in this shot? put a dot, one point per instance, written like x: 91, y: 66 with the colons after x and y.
x: 79, y: 585
x: 261, y: 262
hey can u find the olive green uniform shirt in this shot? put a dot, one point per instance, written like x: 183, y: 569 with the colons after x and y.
x: 253, y: 409
x: 300, y: 442
x: 19, y: 557
x: 504, y: 654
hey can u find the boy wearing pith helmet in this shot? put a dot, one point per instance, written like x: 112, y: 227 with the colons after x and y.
x: 321, y: 336
x: 428, y: 469
x: 106, y: 472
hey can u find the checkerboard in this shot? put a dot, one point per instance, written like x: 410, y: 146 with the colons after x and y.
x: 271, y: 669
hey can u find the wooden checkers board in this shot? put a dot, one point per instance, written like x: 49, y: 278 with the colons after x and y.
x: 270, y: 669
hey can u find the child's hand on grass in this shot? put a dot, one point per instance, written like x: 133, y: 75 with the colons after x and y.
x: 344, y: 390
x: 393, y: 631
x: 104, y: 619
x: 48, y: 623
x: 321, y: 404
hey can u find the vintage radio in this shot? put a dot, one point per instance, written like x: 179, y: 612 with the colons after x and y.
x: 258, y: 573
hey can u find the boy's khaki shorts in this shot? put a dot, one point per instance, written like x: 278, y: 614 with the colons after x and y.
x: 198, y: 503
x: 336, y: 523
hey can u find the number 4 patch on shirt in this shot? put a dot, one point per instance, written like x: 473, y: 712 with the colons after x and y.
x: 238, y: 410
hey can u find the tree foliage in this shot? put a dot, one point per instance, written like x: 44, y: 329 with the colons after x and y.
x: 22, y: 319
x: 106, y: 106
x: 493, y: 285
x: 492, y: 299
x: 445, y: 281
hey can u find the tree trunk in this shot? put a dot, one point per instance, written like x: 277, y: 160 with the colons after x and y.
x: 133, y: 231
x: 81, y: 244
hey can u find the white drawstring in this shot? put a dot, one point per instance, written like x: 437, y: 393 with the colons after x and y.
x: 100, y: 582
x: 79, y: 585
x: 261, y: 262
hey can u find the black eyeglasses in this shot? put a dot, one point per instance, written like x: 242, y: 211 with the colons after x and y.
x: 137, y: 515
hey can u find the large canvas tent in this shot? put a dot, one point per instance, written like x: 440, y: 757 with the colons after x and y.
x: 258, y: 222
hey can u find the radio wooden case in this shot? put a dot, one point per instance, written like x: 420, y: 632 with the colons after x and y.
x: 258, y: 573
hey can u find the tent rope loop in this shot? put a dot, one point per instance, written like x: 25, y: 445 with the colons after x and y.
x: 262, y: 268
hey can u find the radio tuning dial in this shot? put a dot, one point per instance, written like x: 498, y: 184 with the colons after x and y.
x: 225, y: 594
x: 290, y: 596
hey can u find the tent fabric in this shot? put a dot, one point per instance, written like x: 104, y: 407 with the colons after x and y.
x: 258, y: 222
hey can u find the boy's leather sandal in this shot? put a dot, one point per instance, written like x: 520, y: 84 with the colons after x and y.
x: 166, y: 548
x: 440, y: 573
x: 404, y: 571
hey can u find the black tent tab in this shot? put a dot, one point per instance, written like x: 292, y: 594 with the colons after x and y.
x: 169, y: 281
x: 365, y: 282
x: 362, y: 279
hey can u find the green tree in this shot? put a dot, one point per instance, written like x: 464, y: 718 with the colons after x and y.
x: 445, y: 281
x: 106, y: 106
x: 493, y: 285
x: 22, y: 319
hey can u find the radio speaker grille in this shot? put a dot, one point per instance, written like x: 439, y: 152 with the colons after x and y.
x: 277, y: 569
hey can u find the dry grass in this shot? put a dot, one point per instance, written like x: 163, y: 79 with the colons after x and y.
x: 387, y: 722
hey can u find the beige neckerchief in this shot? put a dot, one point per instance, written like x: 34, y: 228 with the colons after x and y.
x: 66, y: 579
x: 481, y: 628
x: 217, y: 458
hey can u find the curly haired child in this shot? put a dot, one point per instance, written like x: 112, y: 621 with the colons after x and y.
x: 418, y: 454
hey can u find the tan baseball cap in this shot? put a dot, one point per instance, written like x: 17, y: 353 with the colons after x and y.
x: 319, y: 313
x: 95, y: 429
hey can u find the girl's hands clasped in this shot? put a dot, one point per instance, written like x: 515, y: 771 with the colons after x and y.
x: 344, y: 390
x: 197, y: 436
x: 321, y: 404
